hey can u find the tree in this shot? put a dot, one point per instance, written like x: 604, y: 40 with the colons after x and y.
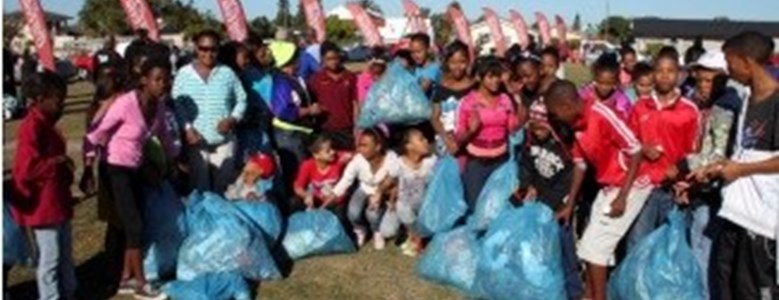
x: 340, y: 31
x: 370, y: 5
x: 442, y: 28
x: 262, y: 26
x: 616, y: 28
x: 102, y: 17
x: 283, y: 16
x: 577, y: 23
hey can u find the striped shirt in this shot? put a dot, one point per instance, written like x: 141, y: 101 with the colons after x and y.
x: 202, y: 104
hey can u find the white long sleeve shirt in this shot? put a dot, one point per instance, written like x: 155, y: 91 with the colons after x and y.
x: 360, y: 169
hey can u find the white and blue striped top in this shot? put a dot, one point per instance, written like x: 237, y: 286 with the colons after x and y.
x: 202, y: 104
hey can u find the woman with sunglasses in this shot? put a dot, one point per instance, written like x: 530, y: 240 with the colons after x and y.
x: 210, y: 100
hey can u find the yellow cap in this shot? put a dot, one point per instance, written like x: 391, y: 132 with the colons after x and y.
x: 282, y: 52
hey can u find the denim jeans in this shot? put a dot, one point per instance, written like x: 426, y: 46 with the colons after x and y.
x: 574, y: 287
x: 56, y: 276
x: 656, y: 209
x: 357, y: 205
x: 703, y: 230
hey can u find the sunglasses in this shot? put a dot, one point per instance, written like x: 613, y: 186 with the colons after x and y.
x: 206, y: 49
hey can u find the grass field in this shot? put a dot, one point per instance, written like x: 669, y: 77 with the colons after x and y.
x: 368, y: 274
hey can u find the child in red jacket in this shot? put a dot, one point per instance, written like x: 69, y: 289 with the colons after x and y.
x: 667, y: 125
x: 42, y: 176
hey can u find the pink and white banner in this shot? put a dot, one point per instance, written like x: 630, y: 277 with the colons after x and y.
x: 521, y: 27
x: 544, y: 29
x: 496, y: 30
x: 562, y: 30
x: 36, y: 21
x: 414, y: 15
x: 234, y: 19
x: 461, y: 26
x: 139, y: 16
x: 364, y: 22
x: 315, y: 18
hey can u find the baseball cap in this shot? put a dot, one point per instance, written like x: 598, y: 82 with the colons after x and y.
x: 712, y: 60
x: 283, y: 52
x: 265, y: 163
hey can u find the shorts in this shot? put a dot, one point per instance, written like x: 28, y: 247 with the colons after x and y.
x: 600, y: 239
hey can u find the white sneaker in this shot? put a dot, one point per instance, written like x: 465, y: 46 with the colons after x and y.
x: 378, y: 241
x: 360, y: 234
x: 149, y: 292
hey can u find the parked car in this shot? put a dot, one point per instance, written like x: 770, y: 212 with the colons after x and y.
x: 358, y: 54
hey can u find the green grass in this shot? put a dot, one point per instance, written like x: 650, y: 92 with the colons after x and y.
x: 368, y: 274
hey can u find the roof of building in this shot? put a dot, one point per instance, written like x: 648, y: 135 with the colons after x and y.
x: 715, y: 29
x: 50, y: 16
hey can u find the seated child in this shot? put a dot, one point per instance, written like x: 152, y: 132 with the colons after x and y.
x: 546, y: 173
x: 370, y: 167
x: 411, y: 176
x: 255, y: 180
x: 318, y: 175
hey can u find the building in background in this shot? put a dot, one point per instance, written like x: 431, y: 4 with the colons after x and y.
x: 652, y: 33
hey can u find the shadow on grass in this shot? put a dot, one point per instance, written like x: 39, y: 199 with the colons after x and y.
x: 92, y: 282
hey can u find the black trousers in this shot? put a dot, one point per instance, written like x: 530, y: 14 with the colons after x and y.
x: 744, y: 265
x: 126, y: 184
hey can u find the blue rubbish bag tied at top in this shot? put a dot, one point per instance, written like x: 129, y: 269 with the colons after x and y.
x: 315, y: 232
x: 264, y: 215
x: 662, y: 266
x: 444, y: 201
x: 396, y: 98
x: 450, y: 259
x: 212, y: 286
x: 222, y: 239
x: 165, y: 230
x: 520, y: 256
x: 16, y: 248
x: 495, y: 196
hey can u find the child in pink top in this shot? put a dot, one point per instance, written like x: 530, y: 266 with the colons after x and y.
x: 606, y: 86
x: 125, y: 129
x: 486, y: 119
x: 376, y: 67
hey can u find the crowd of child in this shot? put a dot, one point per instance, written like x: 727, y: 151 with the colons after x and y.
x: 648, y: 143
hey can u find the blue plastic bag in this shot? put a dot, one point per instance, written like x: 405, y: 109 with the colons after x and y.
x: 222, y: 239
x: 396, y: 98
x: 661, y: 266
x: 450, y: 259
x: 165, y: 230
x: 521, y: 257
x: 264, y: 215
x: 16, y: 248
x: 316, y: 232
x: 212, y: 286
x: 495, y: 196
x: 444, y: 201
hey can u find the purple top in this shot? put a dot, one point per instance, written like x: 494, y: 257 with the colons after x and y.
x: 619, y: 102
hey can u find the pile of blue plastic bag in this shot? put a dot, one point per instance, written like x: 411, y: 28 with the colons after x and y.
x: 316, y: 232
x: 444, y: 201
x: 223, y: 239
x: 662, y: 266
x: 520, y: 256
x: 450, y: 259
x: 396, y: 98
x: 494, y: 198
x: 211, y: 286
x: 166, y: 229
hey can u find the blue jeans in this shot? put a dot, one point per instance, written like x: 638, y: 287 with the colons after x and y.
x: 703, y: 229
x: 56, y: 276
x: 574, y: 287
x: 656, y: 209
x: 358, y: 205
